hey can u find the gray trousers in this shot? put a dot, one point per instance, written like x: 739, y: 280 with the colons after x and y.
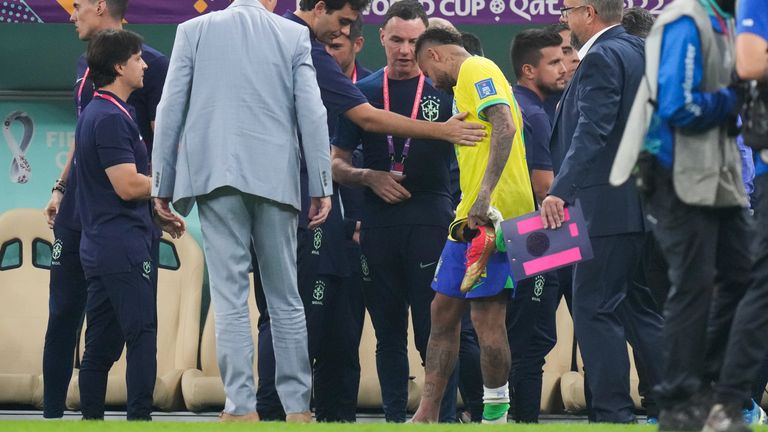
x: 229, y: 220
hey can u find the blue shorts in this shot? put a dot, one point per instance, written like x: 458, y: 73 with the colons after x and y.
x: 452, y: 266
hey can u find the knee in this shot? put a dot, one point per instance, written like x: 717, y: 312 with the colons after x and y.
x: 101, y: 358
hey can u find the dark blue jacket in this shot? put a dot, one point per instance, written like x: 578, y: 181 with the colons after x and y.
x: 587, y: 131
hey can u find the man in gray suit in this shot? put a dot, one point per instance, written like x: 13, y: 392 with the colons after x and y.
x: 241, y: 87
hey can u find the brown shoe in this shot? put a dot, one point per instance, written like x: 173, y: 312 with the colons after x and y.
x: 250, y: 417
x: 302, y: 417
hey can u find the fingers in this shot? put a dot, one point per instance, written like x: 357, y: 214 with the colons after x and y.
x: 318, y: 215
x: 390, y: 190
x: 460, y: 116
x: 50, y: 216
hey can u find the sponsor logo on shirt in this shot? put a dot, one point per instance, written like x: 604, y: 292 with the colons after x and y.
x: 485, y: 88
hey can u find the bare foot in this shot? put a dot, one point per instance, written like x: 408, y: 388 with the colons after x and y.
x: 251, y: 417
x: 419, y: 417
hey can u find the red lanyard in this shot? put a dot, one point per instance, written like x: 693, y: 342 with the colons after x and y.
x: 114, y: 101
x: 414, y: 113
x: 80, y: 91
x: 354, y: 75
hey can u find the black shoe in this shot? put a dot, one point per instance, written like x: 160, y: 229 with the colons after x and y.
x: 685, y: 417
x: 726, y: 418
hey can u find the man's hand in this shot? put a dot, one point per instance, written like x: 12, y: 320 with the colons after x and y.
x: 387, y: 186
x: 319, y: 209
x: 552, y: 214
x: 169, y: 221
x: 478, y: 214
x: 52, y: 208
x: 455, y: 130
x: 356, y: 234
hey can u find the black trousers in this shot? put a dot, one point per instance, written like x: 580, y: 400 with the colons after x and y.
x: 66, y: 308
x: 737, y: 360
x: 606, y: 315
x: 121, y: 311
x: 705, y: 248
x: 532, y: 333
x: 401, y: 263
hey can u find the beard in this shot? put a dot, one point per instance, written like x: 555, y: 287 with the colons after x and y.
x: 575, y: 42
x: 549, y: 88
x: 445, y: 82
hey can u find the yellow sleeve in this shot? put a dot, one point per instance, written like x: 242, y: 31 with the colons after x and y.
x: 489, y: 86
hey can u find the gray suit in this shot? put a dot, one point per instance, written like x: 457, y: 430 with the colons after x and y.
x: 240, y: 88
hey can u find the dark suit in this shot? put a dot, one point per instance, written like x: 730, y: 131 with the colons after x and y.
x: 587, y: 131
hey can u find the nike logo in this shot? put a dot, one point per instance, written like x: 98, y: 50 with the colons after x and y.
x: 423, y: 266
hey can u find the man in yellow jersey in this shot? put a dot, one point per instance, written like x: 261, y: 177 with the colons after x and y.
x: 494, y: 178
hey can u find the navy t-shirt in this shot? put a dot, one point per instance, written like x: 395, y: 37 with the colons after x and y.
x: 537, y: 129
x: 339, y: 95
x: 353, y: 198
x: 116, y: 234
x: 336, y: 89
x: 144, y: 102
x: 426, y: 167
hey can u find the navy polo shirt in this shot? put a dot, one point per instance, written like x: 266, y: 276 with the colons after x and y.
x: 339, y: 95
x: 144, y: 102
x: 427, y: 167
x: 116, y: 234
x: 336, y: 89
x: 537, y: 128
x: 353, y: 198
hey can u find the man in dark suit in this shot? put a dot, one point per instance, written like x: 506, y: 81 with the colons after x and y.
x: 587, y: 131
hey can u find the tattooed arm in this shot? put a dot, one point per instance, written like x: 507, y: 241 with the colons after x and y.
x: 502, y: 133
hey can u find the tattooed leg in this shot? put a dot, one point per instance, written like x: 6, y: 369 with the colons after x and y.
x: 442, y: 352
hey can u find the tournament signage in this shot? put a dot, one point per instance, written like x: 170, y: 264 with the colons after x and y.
x: 176, y: 11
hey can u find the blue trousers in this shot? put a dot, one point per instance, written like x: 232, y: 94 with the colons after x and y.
x: 401, y: 263
x: 121, y: 310
x: 66, y: 307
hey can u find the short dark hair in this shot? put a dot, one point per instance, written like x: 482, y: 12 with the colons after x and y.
x: 438, y: 36
x: 356, y: 29
x: 557, y: 28
x: 107, y: 49
x: 637, y: 21
x: 472, y: 44
x: 334, y: 5
x: 406, y: 10
x: 527, y: 45
x: 116, y: 8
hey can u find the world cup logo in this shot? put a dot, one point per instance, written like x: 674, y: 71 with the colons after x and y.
x: 20, y: 170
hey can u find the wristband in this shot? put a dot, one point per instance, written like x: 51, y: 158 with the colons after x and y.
x: 60, y: 186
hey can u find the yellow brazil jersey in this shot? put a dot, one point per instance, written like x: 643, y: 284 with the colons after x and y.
x: 481, y: 84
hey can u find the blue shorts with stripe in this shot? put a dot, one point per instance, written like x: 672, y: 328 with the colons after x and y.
x: 452, y: 266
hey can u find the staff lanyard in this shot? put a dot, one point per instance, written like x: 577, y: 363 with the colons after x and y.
x: 114, y: 101
x: 80, y: 91
x: 395, y: 167
x: 354, y: 75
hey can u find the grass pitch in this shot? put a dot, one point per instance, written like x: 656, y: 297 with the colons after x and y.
x: 120, y: 426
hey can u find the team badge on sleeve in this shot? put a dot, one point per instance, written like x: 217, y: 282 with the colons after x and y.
x: 485, y: 88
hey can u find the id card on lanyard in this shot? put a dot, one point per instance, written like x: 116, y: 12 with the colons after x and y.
x: 395, y: 167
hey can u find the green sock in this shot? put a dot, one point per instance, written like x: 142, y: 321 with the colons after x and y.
x: 493, y: 411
